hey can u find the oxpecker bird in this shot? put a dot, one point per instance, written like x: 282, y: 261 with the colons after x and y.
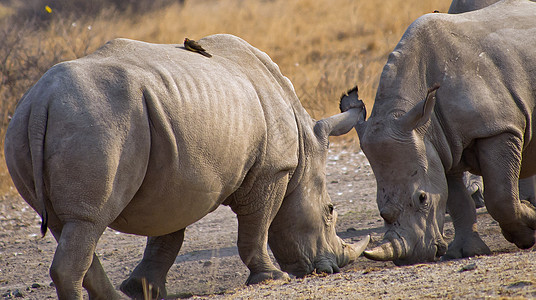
x: 195, y: 47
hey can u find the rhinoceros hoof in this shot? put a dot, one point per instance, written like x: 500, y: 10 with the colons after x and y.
x: 524, y: 237
x: 133, y: 288
x: 467, y: 246
x: 264, y: 276
x: 327, y: 267
x: 521, y: 230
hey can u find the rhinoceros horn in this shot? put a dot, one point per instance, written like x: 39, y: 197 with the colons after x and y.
x: 353, y: 251
x: 388, y: 250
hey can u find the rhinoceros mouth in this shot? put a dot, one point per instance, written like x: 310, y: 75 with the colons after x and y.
x: 396, y: 248
x: 430, y: 253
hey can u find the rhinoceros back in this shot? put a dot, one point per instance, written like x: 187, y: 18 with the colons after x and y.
x: 167, y: 133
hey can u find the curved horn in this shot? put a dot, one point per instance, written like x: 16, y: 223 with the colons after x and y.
x: 355, y: 249
x: 351, y: 252
x: 389, y: 250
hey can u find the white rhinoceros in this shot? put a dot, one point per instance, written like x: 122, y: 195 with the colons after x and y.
x: 527, y: 186
x: 462, y: 6
x: 420, y: 140
x: 149, y: 138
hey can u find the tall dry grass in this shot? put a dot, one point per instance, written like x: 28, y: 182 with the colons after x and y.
x: 324, y: 47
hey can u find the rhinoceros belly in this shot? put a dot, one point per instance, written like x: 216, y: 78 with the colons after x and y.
x: 193, y: 169
x: 163, y: 214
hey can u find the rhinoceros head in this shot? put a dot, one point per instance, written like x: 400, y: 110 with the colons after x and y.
x: 302, y: 236
x: 411, y: 184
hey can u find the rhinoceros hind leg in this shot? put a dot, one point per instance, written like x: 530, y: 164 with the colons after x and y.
x: 74, y: 257
x: 158, y: 257
x: 95, y: 281
x: 133, y: 288
x: 255, y: 212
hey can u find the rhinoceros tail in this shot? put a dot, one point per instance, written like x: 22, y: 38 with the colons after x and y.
x: 37, y: 126
x: 44, y: 223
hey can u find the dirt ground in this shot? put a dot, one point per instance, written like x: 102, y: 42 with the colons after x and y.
x: 208, y: 265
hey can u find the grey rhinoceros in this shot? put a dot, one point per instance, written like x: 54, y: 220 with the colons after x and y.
x: 457, y: 94
x: 149, y: 138
x: 527, y: 186
x: 462, y: 6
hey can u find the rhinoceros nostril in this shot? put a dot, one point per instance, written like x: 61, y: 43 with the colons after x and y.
x: 389, y: 214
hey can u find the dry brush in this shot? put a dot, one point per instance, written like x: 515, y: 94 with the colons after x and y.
x: 324, y: 47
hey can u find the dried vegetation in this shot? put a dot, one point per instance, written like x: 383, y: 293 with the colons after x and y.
x: 324, y: 47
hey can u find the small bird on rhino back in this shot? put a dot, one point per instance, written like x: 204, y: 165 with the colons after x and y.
x: 195, y: 47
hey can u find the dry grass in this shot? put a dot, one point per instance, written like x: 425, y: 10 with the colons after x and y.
x: 324, y: 47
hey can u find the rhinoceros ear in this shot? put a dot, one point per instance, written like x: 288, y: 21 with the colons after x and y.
x: 349, y: 100
x: 420, y: 114
x: 340, y: 123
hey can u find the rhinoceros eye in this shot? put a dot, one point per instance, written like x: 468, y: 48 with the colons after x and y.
x: 330, y: 207
x: 423, y: 197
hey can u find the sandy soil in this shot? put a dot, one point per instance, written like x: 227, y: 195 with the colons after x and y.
x: 208, y: 265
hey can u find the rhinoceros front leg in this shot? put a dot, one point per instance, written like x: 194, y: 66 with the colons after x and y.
x: 500, y: 163
x: 462, y: 210
x: 255, y: 213
x: 158, y: 257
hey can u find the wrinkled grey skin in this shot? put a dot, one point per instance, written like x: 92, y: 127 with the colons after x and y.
x: 475, y: 186
x: 420, y: 142
x: 462, y: 6
x: 147, y: 139
x: 473, y: 182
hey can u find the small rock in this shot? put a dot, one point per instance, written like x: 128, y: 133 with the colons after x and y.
x: 185, y: 295
x: 36, y: 286
x: 207, y: 264
x: 519, y: 284
x: 351, y: 229
x: 18, y: 294
x: 468, y: 267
